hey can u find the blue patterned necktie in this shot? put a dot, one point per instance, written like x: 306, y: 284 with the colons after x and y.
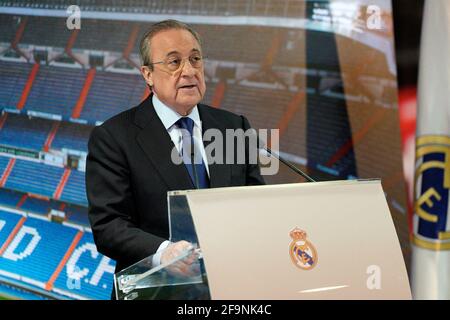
x: 202, y: 180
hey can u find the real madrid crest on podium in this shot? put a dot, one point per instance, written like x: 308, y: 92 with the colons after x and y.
x: 303, y: 253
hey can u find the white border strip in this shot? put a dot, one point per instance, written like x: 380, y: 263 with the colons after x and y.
x: 36, y: 283
x: 323, y: 289
x: 10, y: 275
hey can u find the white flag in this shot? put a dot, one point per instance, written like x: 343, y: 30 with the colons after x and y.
x: 430, y: 277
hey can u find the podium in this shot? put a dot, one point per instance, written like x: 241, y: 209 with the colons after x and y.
x: 323, y: 240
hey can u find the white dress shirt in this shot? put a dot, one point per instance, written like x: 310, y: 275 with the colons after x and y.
x: 169, y: 117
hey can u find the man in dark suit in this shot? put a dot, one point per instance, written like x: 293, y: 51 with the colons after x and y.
x: 130, y: 167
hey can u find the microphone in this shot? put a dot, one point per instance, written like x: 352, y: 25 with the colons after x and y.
x: 290, y: 165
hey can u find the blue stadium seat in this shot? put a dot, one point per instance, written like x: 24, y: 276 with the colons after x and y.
x: 3, y: 164
x: 56, y: 90
x: 72, y: 136
x: 35, y: 205
x: 236, y: 43
x: 75, y: 189
x: 104, y: 35
x: 37, y: 178
x: 263, y: 107
x: 8, y: 25
x: 20, y: 131
x: 8, y: 221
x: 112, y: 93
x: 50, y: 31
x: 13, y: 76
x: 46, y: 31
x: 77, y: 214
x: 41, y: 263
x: 53, y: 242
x: 9, y: 198
x: 93, y: 284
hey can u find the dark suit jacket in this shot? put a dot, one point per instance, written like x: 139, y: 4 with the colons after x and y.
x: 128, y: 174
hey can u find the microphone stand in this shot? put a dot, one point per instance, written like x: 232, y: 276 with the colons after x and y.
x: 290, y: 165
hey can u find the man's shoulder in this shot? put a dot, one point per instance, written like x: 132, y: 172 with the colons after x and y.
x: 119, y: 127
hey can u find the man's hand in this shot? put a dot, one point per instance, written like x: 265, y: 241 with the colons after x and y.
x: 184, y: 267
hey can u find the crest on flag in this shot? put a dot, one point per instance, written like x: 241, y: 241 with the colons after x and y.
x: 432, y: 188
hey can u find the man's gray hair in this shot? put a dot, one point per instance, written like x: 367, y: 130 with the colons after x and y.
x: 144, y: 47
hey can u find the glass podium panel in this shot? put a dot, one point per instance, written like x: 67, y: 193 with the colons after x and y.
x: 148, y: 280
x: 181, y: 225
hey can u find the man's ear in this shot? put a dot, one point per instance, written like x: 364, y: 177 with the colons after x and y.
x: 147, y: 74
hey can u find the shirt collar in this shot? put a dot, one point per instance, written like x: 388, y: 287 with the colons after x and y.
x: 169, y: 116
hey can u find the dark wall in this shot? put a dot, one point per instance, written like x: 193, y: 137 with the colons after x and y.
x: 407, y: 26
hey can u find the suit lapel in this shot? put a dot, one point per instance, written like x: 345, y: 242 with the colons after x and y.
x: 157, y: 146
x: 220, y: 174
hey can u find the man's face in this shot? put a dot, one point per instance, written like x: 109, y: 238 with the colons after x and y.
x: 181, y: 89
